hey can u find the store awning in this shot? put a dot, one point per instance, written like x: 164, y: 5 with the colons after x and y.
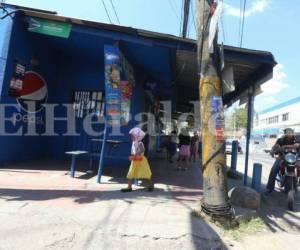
x: 250, y: 68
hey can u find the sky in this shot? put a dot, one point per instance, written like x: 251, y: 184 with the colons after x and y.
x: 270, y: 25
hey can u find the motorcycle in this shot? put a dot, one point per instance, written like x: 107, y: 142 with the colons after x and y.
x: 288, y: 178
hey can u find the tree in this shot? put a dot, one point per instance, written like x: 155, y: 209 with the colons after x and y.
x: 236, y: 121
x: 240, y: 116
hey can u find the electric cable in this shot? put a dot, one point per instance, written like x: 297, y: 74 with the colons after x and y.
x: 181, y: 17
x: 223, y: 28
x: 194, y: 19
x: 173, y: 9
x: 106, y: 11
x: 243, y: 23
x: 115, y: 11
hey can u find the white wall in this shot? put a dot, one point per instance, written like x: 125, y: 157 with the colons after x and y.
x: 293, y: 121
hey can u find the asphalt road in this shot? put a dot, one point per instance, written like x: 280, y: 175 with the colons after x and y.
x: 255, y: 157
x: 262, y: 158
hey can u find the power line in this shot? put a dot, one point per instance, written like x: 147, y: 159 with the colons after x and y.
x: 223, y: 28
x: 243, y: 23
x: 223, y: 24
x: 113, y: 6
x: 181, y: 16
x: 106, y: 11
x: 174, y: 10
x: 194, y: 20
x: 240, y: 21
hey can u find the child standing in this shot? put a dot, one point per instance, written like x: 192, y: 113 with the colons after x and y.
x: 139, y: 167
x: 172, y: 146
x: 184, y: 149
x: 194, y: 146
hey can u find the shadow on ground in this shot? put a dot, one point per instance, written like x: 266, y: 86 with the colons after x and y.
x: 274, y: 211
x: 175, y: 191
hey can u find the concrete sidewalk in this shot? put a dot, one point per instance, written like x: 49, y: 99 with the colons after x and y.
x: 46, y: 209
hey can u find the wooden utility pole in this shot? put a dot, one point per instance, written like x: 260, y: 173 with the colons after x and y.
x: 215, y: 202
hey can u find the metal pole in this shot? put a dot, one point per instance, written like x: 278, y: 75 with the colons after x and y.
x: 215, y: 198
x: 72, y: 170
x: 101, y: 160
x: 249, y: 124
x: 256, y: 177
x: 234, y: 152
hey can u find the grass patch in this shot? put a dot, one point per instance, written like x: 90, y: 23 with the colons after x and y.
x: 235, y: 229
x: 251, y: 227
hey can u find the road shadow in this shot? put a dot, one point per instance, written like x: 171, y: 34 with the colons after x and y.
x: 182, y: 188
x: 274, y: 211
x: 276, y: 215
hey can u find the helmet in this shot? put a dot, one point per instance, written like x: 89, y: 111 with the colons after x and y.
x: 288, y: 130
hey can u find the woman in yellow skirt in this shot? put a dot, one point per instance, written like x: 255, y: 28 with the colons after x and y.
x: 139, y: 167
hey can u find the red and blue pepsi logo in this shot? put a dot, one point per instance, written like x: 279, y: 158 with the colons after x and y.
x: 34, y: 92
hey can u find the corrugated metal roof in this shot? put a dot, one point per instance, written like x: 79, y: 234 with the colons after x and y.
x: 52, y: 15
x: 250, y: 66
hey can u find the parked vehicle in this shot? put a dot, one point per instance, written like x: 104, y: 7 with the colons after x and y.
x: 229, y: 146
x: 270, y: 140
x: 289, y: 174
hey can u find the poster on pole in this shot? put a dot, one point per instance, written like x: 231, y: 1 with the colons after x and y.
x: 218, y: 117
x: 112, y: 84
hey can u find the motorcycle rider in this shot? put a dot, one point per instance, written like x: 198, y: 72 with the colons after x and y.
x: 287, y: 139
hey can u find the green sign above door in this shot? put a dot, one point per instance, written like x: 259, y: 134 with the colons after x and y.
x: 49, y: 27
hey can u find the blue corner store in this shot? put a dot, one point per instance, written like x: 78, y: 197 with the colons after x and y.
x: 67, y: 55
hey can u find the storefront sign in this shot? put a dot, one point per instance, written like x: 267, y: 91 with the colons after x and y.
x: 49, y: 27
x: 29, y: 89
x: 218, y: 117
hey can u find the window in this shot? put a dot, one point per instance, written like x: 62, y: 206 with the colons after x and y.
x: 86, y: 102
x: 285, y: 117
x: 272, y: 120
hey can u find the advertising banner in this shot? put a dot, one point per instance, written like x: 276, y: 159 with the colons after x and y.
x: 126, y: 93
x: 112, y: 84
x: 119, y: 79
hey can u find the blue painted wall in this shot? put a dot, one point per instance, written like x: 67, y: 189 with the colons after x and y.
x: 24, y: 46
x: 5, y: 33
x: 76, y: 64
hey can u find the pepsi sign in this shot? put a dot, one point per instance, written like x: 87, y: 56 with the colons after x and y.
x: 34, y: 92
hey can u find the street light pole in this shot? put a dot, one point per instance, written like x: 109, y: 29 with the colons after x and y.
x: 215, y: 201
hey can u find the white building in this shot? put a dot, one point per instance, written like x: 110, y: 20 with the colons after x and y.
x: 273, y: 120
